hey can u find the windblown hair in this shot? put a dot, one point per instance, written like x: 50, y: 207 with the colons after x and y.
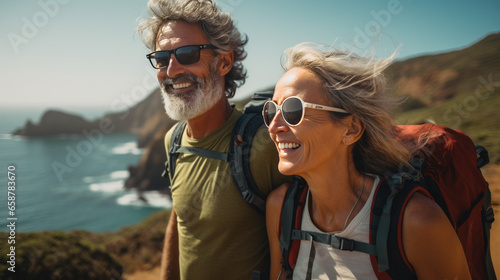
x: 217, y: 26
x: 357, y: 85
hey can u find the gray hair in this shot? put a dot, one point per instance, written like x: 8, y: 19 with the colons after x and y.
x: 357, y: 85
x: 217, y: 26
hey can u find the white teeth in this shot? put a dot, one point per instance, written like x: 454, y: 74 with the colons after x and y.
x: 181, y: 85
x: 288, y: 145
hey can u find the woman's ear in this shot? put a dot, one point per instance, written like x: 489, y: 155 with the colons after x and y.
x: 225, y: 63
x: 354, y: 131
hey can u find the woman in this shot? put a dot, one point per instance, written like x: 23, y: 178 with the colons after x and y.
x: 339, y: 141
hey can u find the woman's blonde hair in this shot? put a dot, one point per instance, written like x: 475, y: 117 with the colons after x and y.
x: 357, y: 85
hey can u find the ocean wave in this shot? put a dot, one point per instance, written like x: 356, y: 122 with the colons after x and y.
x: 107, y: 187
x: 148, y: 199
x: 88, y: 179
x: 127, y: 148
x: 11, y: 137
x: 120, y: 174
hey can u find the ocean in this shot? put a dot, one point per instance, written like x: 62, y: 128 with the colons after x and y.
x: 69, y: 182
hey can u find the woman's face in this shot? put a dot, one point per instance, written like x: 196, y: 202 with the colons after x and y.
x: 317, y: 141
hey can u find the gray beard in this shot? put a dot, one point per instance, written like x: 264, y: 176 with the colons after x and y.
x: 193, y: 104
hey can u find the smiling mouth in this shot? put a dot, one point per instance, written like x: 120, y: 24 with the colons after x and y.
x: 181, y: 85
x: 283, y: 146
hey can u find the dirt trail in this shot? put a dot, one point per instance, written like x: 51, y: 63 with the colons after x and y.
x: 492, y: 175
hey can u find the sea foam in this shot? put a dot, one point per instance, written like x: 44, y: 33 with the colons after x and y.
x: 107, y: 187
x: 149, y: 199
x: 127, y: 148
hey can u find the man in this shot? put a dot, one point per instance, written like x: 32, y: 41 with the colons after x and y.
x: 213, y: 233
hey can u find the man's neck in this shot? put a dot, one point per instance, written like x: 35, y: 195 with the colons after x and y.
x: 209, y: 121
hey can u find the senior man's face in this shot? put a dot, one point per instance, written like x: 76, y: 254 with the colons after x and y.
x: 188, y: 90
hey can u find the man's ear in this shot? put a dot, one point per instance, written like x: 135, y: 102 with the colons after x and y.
x: 226, y: 63
x: 354, y: 131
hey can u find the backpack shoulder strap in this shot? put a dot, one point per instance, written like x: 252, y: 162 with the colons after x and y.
x: 176, y: 149
x: 390, y: 199
x: 291, y: 219
x: 239, y: 160
x: 291, y: 233
x: 175, y: 143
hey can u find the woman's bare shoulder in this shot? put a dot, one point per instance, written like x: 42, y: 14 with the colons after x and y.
x: 275, y: 198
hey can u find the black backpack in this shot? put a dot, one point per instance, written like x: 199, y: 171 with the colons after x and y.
x: 239, y: 151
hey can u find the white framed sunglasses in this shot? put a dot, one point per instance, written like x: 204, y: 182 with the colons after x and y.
x: 292, y: 110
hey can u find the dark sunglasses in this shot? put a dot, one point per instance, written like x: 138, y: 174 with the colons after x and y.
x: 185, y: 55
x: 292, y: 110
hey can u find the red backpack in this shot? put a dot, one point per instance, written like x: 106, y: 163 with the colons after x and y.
x: 448, y: 173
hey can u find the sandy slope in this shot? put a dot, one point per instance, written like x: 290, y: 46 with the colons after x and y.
x: 492, y: 175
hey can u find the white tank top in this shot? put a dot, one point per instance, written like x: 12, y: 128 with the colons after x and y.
x: 332, y: 263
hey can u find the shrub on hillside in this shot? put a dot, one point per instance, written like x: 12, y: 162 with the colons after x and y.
x: 58, y: 255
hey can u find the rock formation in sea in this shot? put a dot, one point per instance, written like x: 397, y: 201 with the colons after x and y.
x: 55, y: 123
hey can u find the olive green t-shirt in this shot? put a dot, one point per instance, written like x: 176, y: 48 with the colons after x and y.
x: 220, y: 235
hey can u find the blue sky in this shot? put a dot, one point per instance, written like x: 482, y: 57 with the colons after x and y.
x: 75, y: 55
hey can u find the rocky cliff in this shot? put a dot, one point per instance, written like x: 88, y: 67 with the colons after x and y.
x: 147, y: 119
x: 147, y: 174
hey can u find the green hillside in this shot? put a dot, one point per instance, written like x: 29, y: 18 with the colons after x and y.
x: 85, y: 255
x: 460, y: 89
x: 440, y: 77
